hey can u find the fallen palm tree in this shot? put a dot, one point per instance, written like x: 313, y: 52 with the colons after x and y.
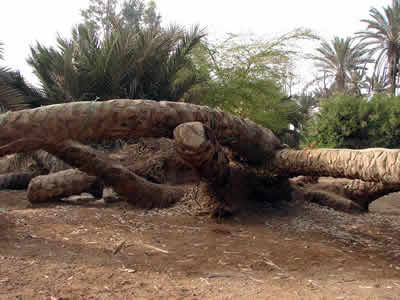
x: 59, y: 129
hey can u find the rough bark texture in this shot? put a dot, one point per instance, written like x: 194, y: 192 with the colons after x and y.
x: 127, y: 184
x: 198, y: 146
x: 129, y: 118
x: 360, y: 192
x: 366, y: 192
x: 16, y: 181
x: 235, y: 185
x: 61, y: 184
x: 48, y: 162
x: 376, y: 165
x: 333, y: 200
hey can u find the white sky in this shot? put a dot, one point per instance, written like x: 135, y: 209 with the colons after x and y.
x: 23, y: 22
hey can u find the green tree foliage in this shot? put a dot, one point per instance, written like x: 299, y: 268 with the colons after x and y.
x: 132, y: 12
x: 123, y: 55
x: 151, y: 17
x: 354, y: 122
x: 383, y: 36
x: 15, y: 92
x: 342, y: 61
x: 247, y: 77
x: 102, y: 14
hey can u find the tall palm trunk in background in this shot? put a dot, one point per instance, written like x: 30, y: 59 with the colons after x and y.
x: 382, y: 36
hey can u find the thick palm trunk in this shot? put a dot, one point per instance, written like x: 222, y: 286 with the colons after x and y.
x: 376, y: 165
x: 340, y: 82
x: 128, y: 118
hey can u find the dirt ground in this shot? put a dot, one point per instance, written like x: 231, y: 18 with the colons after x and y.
x: 113, y: 251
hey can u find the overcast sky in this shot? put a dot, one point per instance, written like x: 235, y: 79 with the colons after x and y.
x: 24, y: 22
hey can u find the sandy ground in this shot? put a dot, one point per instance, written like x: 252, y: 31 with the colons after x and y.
x: 113, y: 251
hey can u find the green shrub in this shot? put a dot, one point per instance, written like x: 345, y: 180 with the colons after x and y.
x: 355, y: 122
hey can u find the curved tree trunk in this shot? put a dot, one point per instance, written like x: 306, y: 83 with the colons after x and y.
x: 129, y: 118
x: 358, y: 191
x: 333, y: 200
x: 366, y: 192
x: 127, y: 184
x: 63, y: 184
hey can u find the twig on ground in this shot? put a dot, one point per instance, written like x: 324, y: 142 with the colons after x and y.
x: 155, y: 248
x: 149, y: 246
x: 26, y: 266
x: 119, y: 247
x: 218, y: 276
x: 271, y: 263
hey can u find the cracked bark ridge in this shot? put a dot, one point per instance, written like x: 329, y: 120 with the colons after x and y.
x: 54, y: 186
x: 127, y: 184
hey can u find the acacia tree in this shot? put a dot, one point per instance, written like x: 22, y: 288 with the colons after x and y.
x: 383, y: 37
x: 247, y: 76
x: 340, y: 59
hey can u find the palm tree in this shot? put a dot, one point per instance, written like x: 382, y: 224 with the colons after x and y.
x: 377, y: 83
x: 125, y: 63
x: 15, y: 92
x: 339, y: 58
x: 383, y: 36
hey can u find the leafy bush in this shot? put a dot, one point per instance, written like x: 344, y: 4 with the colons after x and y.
x: 355, y: 122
